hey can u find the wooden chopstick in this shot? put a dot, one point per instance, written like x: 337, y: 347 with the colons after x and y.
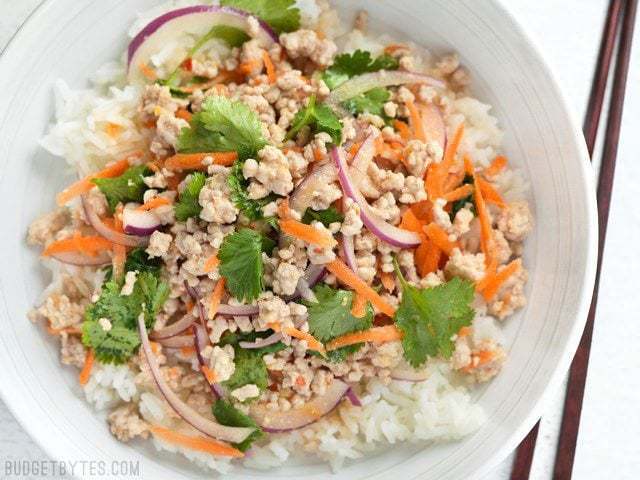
x: 573, y: 402
x: 565, y: 452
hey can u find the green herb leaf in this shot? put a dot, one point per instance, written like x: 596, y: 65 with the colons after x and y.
x: 232, y: 36
x: 281, y: 15
x: 429, y: 317
x: 241, y: 264
x: 250, y: 368
x: 223, y: 125
x: 122, y: 340
x: 369, y: 102
x: 349, y: 65
x: 228, y: 415
x: 128, y: 187
x: 331, y: 317
x: 326, y: 217
x: 188, y: 205
x: 138, y: 260
x: 320, y: 118
x: 251, y: 208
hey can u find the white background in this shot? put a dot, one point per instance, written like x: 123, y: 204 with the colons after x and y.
x: 568, y: 33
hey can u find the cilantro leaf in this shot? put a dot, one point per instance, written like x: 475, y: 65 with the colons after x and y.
x: 188, y: 205
x: 241, y: 264
x: 320, y: 118
x: 232, y: 36
x: 369, y: 102
x: 223, y: 125
x: 251, y: 208
x: 250, y: 368
x: 349, y: 65
x: 228, y: 415
x: 235, y: 338
x: 429, y: 317
x: 459, y: 204
x: 138, y: 260
x: 326, y: 217
x: 117, y: 344
x: 331, y: 317
x: 128, y: 187
x: 281, y: 15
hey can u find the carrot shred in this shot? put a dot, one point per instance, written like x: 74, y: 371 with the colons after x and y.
x: 358, y: 306
x: 85, y: 373
x: 459, y: 193
x: 312, y: 342
x: 354, y: 149
x: 212, y: 263
x: 118, y: 261
x: 90, y: 245
x: 452, y: 149
x: 490, y: 272
x: 464, y: 332
x: 497, y: 165
x: 468, y: 166
x: 453, y: 181
x: 388, y: 281
x: 490, y: 194
x: 388, y: 333
x: 184, y: 114
x: 147, y: 71
x: 348, y: 277
x: 306, y: 233
x: 268, y: 65
x: 193, y: 161
x: 248, y: 66
x: 416, y: 122
x: 84, y: 185
x: 199, y: 444
x: 423, y: 211
x: 283, y: 211
x: 486, y: 233
x: 395, y: 47
x: 317, y: 154
x: 67, y: 330
x: 113, y: 129
x: 410, y: 222
x: 209, y: 374
x: 153, y: 203
x: 427, y: 257
x: 440, y: 238
x: 403, y: 129
x: 491, y: 287
x: 216, y: 297
x: 186, y: 351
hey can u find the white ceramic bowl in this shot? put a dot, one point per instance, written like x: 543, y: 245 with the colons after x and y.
x: 70, y: 39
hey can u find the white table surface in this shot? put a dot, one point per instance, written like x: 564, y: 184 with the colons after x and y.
x: 568, y: 33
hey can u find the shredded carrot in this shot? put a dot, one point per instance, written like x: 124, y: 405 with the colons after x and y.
x: 209, y: 374
x: 184, y: 114
x: 82, y: 186
x: 403, y: 129
x: 153, y: 167
x: 354, y: 149
x: 194, y: 161
x: 469, y: 169
x: 283, y: 210
x: 416, y: 122
x: 147, y: 71
x: 496, y: 166
x: 153, y: 203
x: 249, y: 66
x: 188, y: 306
x: 91, y: 245
x: 307, y: 233
x: 67, y: 330
x: 464, y: 332
x: 118, y: 261
x: 427, y: 257
x: 186, y: 351
x: 423, y: 211
x: 358, y: 306
x: 85, y: 373
x: 433, y: 182
x: 155, y: 347
x: 490, y: 194
x: 312, y: 342
x: 485, y: 356
x: 486, y: 233
x: 492, y: 286
x: 317, y: 154
x: 453, y: 180
x: 389, y: 49
x: 388, y: 333
x: 452, y: 148
x: 113, y: 129
x: 490, y: 272
x: 212, y: 263
x: 410, y: 222
x: 388, y: 281
x: 268, y: 65
x: 440, y: 238
x: 348, y: 277
x: 216, y: 297
x: 199, y: 444
x: 459, y: 193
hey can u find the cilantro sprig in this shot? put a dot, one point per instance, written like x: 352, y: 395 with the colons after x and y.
x: 429, y: 317
x: 320, y: 118
x: 251, y: 208
x: 188, y: 205
x: 223, y: 125
x: 128, y: 187
x: 369, y: 102
x: 281, y: 15
x: 241, y: 264
x: 326, y: 217
x: 228, y: 415
x: 350, y: 65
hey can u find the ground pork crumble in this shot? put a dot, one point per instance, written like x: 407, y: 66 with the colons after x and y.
x: 395, y: 182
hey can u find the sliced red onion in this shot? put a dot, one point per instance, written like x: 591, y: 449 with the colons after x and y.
x: 83, y: 260
x: 360, y: 166
x: 181, y: 341
x: 349, y: 253
x: 305, y: 291
x: 193, y: 418
x: 237, y: 310
x: 407, y: 373
x: 195, y: 296
x: 302, y: 196
x: 280, y: 421
x: 388, y: 233
x: 311, y: 277
x: 138, y: 222
x: 353, y: 398
x: 196, y: 20
x: 433, y: 125
x: 173, y: 329
x: 262, y: 342
x: 383, y: 78
x: 200, y: 340
x: 116, y: 237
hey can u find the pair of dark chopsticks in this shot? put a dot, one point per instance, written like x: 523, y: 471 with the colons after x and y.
x: 618, y: 27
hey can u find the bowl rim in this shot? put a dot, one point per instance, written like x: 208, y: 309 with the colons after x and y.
x: 587, y: 176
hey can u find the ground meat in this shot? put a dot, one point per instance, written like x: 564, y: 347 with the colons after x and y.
x: 419, y: 155
x: 501, y: 246
x: 215, y: 199
x: 307, y: 44
x: 325, y: 195
x: 158, y: 180
x: 45, y: 227
x: 480, y: 361
x: 515, y: 221
x: 156, y: 101
x: 129, y: 283
x: 60, y: 311
x: 206, y: 68
x: 465, y: 265
x: 270, y: 175
x: 72, y: 351
x: 352, y: 224
x: 286, y: 278
x: 247, y: 391
x: 462, y: 221
x: 320, y: 255
x: 220, y: 361
x: 440, y: 216
x: 125, y: 423
x: 413, y: 190
x: 158, y: 244
x: 385, y: 207
x: 167, y: 133
x: 511, y: 296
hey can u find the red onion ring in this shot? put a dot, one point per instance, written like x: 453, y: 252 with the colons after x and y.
x: 193, y: 418
x: 353, y: 398
x: 174, y: 329
x: 115, y: 237
x: 386, y: 232
x: 200, y: 340
x: 348, y: 250
x: 139, y: 223
x: 262, y: 342
x: 82, y: 260
x: 237, y: 310
x: 302, y: 196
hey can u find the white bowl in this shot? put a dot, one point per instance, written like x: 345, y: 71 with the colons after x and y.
x: 70, y: 39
